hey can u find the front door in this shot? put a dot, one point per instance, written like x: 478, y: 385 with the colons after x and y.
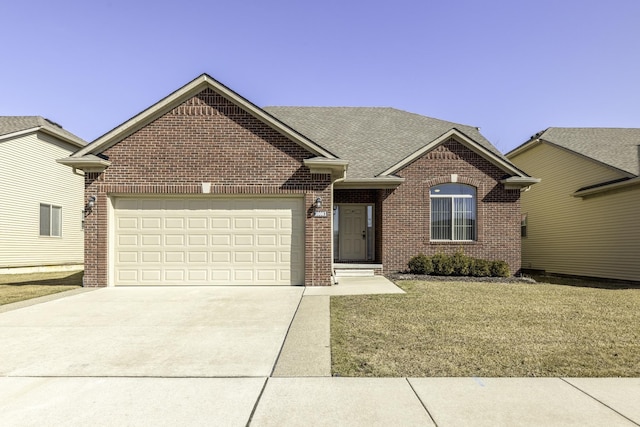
x: 353, y: 232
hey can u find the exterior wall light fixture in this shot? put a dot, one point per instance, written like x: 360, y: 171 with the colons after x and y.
x: 91, y: 202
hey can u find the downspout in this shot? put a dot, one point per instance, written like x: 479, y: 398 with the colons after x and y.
x: 334, y: 278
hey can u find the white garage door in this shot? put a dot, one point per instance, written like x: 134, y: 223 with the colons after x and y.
x: 229, y: 241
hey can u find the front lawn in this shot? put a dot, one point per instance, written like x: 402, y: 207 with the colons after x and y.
x: 19, y: 287
x: 489, y: 330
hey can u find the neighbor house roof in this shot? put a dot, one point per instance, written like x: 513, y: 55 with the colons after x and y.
x: 372, y: 139
x: 615, y: 147
x: 15, y: 125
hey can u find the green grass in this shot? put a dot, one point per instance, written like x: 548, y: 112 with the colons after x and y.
x: 487, y: 329
x: 20, y: 287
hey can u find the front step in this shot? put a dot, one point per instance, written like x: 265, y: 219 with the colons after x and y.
x: 354, y: 272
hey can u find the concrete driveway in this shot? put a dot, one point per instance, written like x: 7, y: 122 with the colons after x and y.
x: 150, y: 332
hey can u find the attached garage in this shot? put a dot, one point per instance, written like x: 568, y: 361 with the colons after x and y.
x: 208, y: 241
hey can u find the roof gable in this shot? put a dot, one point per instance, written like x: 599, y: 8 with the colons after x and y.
x: 614, y: 147
x: 11, y: 126
x: 189, y: 90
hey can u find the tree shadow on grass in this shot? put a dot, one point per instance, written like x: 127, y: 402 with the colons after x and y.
x: 72, y: 279
x: 584, y: 282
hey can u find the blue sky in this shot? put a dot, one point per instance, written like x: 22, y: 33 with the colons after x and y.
x: 509, y: 67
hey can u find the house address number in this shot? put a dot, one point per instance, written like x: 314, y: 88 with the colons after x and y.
x: 320, y: 214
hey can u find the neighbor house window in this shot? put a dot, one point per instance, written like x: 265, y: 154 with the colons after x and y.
x: 50, y: 220
x: 453, y: 212
x: 523, y: 225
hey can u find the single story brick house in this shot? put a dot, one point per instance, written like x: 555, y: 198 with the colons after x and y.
x: 204, y: 187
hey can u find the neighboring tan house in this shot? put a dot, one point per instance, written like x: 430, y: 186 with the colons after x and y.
x: 205, y: 187
x: 41, y: 201
x: 583, y: 218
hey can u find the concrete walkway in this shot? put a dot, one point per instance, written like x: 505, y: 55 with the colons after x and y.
x: 296, y: 390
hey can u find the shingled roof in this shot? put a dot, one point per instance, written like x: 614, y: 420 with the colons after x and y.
x: 372, y: 139
x: 617, y: 147
x: 12, y: 124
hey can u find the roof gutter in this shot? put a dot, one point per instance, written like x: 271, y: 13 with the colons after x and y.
x: 521, y: 183
x: 607, y: 187
x: 387, y: 182
x: 337, y: 168
x: 88, y: 163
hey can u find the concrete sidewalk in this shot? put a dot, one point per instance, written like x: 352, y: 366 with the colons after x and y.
x: 261, y: 401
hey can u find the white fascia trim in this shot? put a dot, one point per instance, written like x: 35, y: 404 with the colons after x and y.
x: 88, y: 163
x: 337, y: 168
x: 608, y: 187
x: 465, y: 140
x: 184, y: 93
x: 19, y: 133
x: 522, y: 148
x: 62, y: 137
x: 519, y: 182
x: 370, y: 183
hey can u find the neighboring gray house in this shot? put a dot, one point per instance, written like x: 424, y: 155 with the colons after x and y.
x: 41, y: 201
x: 583, y: 218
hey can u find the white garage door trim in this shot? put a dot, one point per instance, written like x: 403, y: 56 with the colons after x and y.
x: 207, y: 241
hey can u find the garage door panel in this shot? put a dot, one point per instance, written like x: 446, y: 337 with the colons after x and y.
x: 195, y: 275
x: 127, y: 224
x: 130, y: 276
x: 174, y: 256
x: 220, y: 223
x: 197, y: 257
x: 209, y: 241
x: 221, y: 276
x: 198, y: 240
x: 267, y: 240
x: 223, y: 240
x: 174, y: 276
x: 174, y: 223
x: 151, y: 275
x: 243, y: 257
x: 151, y: 239
x: 243, y: 240
x: 243, y: 223
x: 267, y: 257
x: 197, y: 223
x: 221, y: 257
x: 151, y: 223
x: 151, y: 257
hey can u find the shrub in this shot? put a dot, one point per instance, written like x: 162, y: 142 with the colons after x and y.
x: 500, y: 269
x: 420, y: 264
x: 457, y: 264
x: 442, y: 264
x: 480, y: 268
x: 461, y: 264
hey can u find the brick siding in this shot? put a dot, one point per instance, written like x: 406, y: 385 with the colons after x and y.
x: 405, y: 211
x: 207, y: 139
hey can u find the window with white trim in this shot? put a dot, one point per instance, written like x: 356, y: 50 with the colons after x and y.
x: 453, y: 212
x: 50, y: 220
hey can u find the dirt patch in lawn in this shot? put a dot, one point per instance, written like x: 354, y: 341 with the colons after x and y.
x: 487, y: 329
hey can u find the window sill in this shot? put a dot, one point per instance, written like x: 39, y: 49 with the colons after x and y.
x: 453, y: 242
